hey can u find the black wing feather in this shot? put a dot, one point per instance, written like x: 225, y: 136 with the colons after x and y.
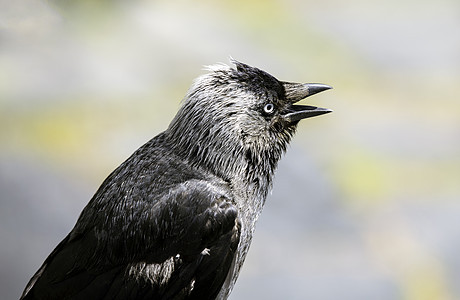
x: 142, y: 236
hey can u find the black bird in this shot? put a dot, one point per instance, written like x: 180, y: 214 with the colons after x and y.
x: 176, y: 219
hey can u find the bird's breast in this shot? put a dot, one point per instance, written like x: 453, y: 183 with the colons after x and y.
x: 249, y: 210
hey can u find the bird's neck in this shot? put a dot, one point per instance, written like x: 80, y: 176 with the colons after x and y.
x: 246, y: 165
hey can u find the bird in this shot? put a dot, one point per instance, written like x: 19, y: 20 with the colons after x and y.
x: 176, y: 219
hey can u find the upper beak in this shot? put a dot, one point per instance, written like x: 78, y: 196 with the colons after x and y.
x: 297, y: 91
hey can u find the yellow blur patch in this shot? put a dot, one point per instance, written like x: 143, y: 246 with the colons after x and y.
x: 425, y: 283
x: 362, y: 177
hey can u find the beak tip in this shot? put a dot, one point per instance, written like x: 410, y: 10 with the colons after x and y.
x: 315, y: 88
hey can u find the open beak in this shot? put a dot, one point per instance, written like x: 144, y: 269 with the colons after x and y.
x: 298, y: 91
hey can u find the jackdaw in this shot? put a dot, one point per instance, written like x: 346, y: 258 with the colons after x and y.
x: 175, y: 220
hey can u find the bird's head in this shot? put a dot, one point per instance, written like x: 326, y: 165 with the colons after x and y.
x: 237, y: 115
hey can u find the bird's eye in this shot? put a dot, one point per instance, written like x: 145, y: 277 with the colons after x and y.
x: 269, y: 108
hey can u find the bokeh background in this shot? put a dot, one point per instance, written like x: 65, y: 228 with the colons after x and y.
x: 365, y: 203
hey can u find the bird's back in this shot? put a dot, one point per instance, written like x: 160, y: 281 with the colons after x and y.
x: 156, y: 228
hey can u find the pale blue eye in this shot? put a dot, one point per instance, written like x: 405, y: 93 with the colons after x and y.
x: 269, y: 108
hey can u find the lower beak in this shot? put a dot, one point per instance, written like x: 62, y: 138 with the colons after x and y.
x: 299, y: 112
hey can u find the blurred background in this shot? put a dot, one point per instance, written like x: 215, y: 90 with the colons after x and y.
x: 366, y: 201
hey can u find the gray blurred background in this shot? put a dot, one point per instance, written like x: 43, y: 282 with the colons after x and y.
x: 366, y: 201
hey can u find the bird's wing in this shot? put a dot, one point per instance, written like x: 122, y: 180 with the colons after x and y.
x: 178, y: 246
